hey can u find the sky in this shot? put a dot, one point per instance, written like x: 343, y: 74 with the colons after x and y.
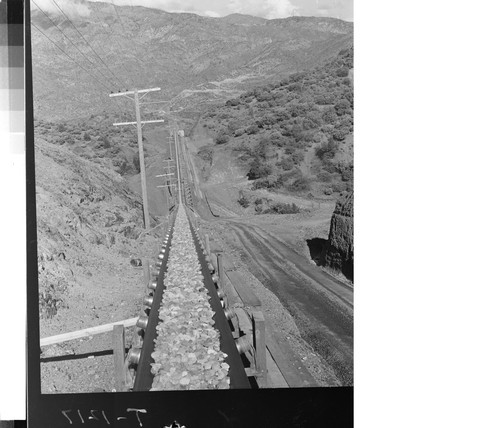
x: 270, y: 9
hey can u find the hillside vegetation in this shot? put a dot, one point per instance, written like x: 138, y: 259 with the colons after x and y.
x: 88, y: 223
x: 195, y: 60
x: 293, y: 136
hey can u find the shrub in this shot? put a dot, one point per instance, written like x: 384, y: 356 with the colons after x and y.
x: 342, y: 72
x: 206, y: 153
x: 270, y: 182
x: 286, y: 164
x: 324, y: 177
x: 235, y: 102
x: 137, y: 163
x: 340, y: 133
x: 299, y: 185
x: 221, y: 139
x: 282, y: 208
x: 252, y: 129
x: 259, y: 169
x: 343, y: 107
x: 244, y: 202
x: 328, y: 150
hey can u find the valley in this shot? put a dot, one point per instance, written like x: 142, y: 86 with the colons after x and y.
x: 266, y: 107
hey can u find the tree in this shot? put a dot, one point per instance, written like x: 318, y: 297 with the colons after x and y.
x: 259, y: 169
x: 221, y: 139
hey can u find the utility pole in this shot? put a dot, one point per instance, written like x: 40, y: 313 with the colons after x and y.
x: 178, y: 164
x: 138, y: 123
x: 168, y: 179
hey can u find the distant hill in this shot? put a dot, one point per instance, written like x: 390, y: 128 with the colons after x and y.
x: 195, y: 60
x: 295, y: 135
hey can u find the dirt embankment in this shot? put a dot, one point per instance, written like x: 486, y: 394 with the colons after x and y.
x: 274, y: 249
x: 89, y: 227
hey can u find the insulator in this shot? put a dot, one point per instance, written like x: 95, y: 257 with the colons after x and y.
x: 158, y: 264
x: 152, y: 285
x: 215, y: 278
x: 221, y: 293
x: 134, y: 355
x: 243, y: 345
x: 229, y: 313
x: 142, y: 322
x: 148, y: 301
x: 161, y: 256
x: 223, y: 303
x: 211, y: 267
x: 155, y: 272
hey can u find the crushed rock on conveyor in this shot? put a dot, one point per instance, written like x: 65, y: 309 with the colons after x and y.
x: 187, y: 351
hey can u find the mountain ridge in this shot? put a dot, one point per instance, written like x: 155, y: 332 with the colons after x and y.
x: 176, y: 51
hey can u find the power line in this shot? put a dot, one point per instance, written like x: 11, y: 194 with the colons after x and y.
x: 78, y: 31
x: 76, y: 47
x: 79, y: 65
x: 110, y: 33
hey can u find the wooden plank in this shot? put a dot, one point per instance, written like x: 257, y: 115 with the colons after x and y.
x: 228, y: 264
x: 119, y: 357
x: 86, y: 332
x: 289, y: 363
x: 246, y: 294
x: 207, y: 243
x: 220, y: 271
x: 274, y: 377
x: 259, y: 343
x: 233, y: 298
x: 213, y: 260
x: 147, y: 272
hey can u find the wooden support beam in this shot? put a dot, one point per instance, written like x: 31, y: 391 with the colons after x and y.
x: 86, y: 332
x: 274, y: 378
x: 213, y: 260
x: 119, y: 357
x: 207, y: 243
x: 220, y: 271
x: 147, y: 272
x: 246, y: 294
x: 233, y: 299
x: 289, y: 363
x: 259, y: 344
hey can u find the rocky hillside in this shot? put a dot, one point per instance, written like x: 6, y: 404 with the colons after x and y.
x: 294, y: 136
x: 195, y: 60
x: 88, y: 223
x: 340, y: 246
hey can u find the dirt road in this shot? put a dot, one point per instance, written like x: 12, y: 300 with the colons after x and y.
x: 320, y: 305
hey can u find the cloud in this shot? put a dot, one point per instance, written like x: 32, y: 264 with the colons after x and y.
x: 269, y: 9
x: 72, y: 8
x: 212, y: 14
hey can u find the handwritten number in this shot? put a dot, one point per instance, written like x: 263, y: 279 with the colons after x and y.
x: 104, y: 416
x: 93, y: 415
x: 137, y: 411
x: 79, y: 414
x: 66, y: 415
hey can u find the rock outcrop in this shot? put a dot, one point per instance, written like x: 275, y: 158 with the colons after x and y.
x: 340, y: 247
